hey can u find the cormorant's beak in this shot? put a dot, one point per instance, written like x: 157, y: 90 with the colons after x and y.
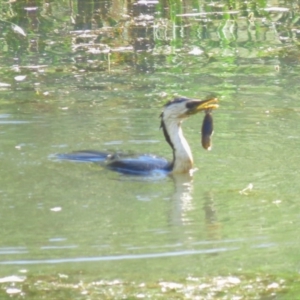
x: 195, y: 106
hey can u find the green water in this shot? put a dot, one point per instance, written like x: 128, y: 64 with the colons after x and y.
x: 239, y: 213
x: 58, y: 211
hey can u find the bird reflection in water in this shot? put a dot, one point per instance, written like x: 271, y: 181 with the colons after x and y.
x: 183, y: 203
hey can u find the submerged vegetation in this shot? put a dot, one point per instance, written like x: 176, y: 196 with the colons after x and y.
x: 78, y: 37
x: 222, y: 287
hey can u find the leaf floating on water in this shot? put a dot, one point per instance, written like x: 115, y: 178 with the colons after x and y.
x: 18, y: 29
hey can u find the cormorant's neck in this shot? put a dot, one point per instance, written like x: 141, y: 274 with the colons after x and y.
x: 182, y: 155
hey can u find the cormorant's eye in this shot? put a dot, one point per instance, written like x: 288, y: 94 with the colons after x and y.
x: 191, y: 104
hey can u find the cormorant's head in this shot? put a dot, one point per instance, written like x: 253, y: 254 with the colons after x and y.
x: 181, y: 108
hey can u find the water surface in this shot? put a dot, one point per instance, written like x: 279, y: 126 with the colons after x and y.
x: 239, y: 211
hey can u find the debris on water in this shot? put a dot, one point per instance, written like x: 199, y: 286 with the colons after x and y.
x: 277, y: 202
x: 56, y: 209
x: 247, y: 189
x: 18, y: 29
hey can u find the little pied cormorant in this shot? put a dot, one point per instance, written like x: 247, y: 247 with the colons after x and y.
x: 172, y: 116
